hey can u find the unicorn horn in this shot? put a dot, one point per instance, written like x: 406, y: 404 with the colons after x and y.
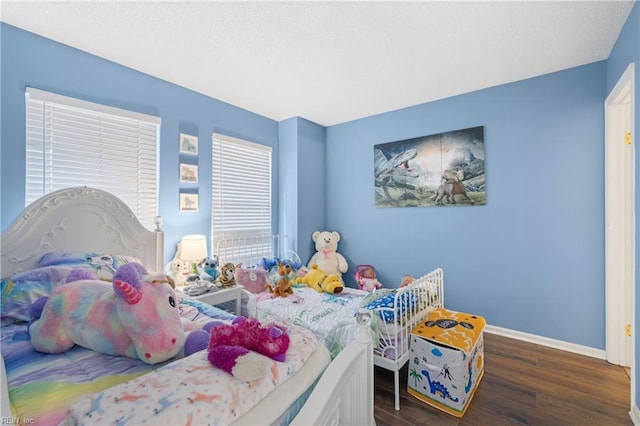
x: 129, y: 293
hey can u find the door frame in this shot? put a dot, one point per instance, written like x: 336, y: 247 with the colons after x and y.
x: 620, y: 223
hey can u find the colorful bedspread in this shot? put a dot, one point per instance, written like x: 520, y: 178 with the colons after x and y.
x: 189, y: 391
x: 330, y: 317
x: 42, y: 386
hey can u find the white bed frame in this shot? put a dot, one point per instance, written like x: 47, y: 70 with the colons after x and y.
x: 250, y: 249
x: 428, y: 290
x: 78, y: 220
x: 86, y: 219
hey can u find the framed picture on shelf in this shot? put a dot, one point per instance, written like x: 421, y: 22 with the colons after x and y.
x: 188, y: 144
x: 188, y: 202
x: 188, y: 173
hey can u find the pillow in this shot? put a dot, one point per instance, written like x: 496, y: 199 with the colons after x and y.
x: 407, y: 300
x: 19, y: 291
x: 104, y: 264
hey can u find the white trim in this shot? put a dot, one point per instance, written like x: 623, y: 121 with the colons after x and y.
x: 546, y: 341
x: 619, y: 210
x: 620, y: 261
x: 254, y: 145
x: 42, y: 95
x: 635, y: 415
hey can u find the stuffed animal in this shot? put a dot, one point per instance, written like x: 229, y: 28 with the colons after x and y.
x: 77, y: 274
x: 300, y: 273
x: 332, y: 285
x: 227, y: 275
x: 241, y: 348
x: 406, y: 280
x: 136, y: 316
x: 268, y: 263
x: 104, y: 266
x: 209, y: 268
x: 320, y: 281
x: 283, y: 287
x: 366, y: 278
x: 178, y: 265
x: 252, y: 279
x: 313, y: 278
x: 176, y: 273
x: 326, y: 257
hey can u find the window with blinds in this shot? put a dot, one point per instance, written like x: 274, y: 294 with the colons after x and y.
x: 241, y: 195
x: 70, y: 142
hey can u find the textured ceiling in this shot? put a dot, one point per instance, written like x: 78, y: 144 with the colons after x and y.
x: 331, y: 62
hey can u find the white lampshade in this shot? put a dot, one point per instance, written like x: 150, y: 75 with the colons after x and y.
x: 193, y: 247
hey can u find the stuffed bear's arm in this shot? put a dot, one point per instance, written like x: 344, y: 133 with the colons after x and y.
x: 342, y: 263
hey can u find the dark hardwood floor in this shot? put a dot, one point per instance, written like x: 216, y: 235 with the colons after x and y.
x: 523, y: 384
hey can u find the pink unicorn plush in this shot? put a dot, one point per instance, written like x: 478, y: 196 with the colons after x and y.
x: 137, y: 316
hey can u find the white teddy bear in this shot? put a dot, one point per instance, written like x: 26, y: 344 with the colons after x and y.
x: 326, y: 256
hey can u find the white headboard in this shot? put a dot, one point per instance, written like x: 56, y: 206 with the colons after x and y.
x: 78, y: 220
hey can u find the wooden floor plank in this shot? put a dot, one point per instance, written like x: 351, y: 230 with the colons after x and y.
x: 523, y: 384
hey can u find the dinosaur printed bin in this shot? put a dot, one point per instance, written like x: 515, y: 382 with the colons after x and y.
x: 446, y: 360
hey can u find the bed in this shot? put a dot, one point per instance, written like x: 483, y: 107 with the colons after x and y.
x: 82, y: 220
x: 395, y: 312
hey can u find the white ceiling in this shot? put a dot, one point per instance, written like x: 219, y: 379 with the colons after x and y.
x: 331, y: 62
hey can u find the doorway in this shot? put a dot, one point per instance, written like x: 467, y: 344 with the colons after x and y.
x: 620, y: 224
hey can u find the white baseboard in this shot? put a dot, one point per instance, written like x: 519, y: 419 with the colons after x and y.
x: 635, y: 415
x: 545, y: 341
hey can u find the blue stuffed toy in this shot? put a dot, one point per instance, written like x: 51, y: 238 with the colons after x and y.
x: 209, y: 268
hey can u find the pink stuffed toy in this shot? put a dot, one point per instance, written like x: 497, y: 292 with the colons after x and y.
x: 136, y: 316
x: 240, y: 348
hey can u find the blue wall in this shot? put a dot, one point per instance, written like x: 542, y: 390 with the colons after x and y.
x: 532, y: 258
x: 311, y: 164
x: 626, y: 51
x: 301, y: 195
x: 30, y: 60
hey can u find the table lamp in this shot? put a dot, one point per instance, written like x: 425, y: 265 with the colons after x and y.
x: 192, y: 249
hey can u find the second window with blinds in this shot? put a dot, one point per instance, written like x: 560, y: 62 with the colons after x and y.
x: 241, y: 196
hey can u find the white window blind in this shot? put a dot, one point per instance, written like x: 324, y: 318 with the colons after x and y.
x: 70, y: 142
x: 241, y: 193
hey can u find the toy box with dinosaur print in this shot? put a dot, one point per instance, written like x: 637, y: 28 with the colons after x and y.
x: 446, y: 360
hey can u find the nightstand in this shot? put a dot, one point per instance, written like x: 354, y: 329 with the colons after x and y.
x: 223, y: 295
